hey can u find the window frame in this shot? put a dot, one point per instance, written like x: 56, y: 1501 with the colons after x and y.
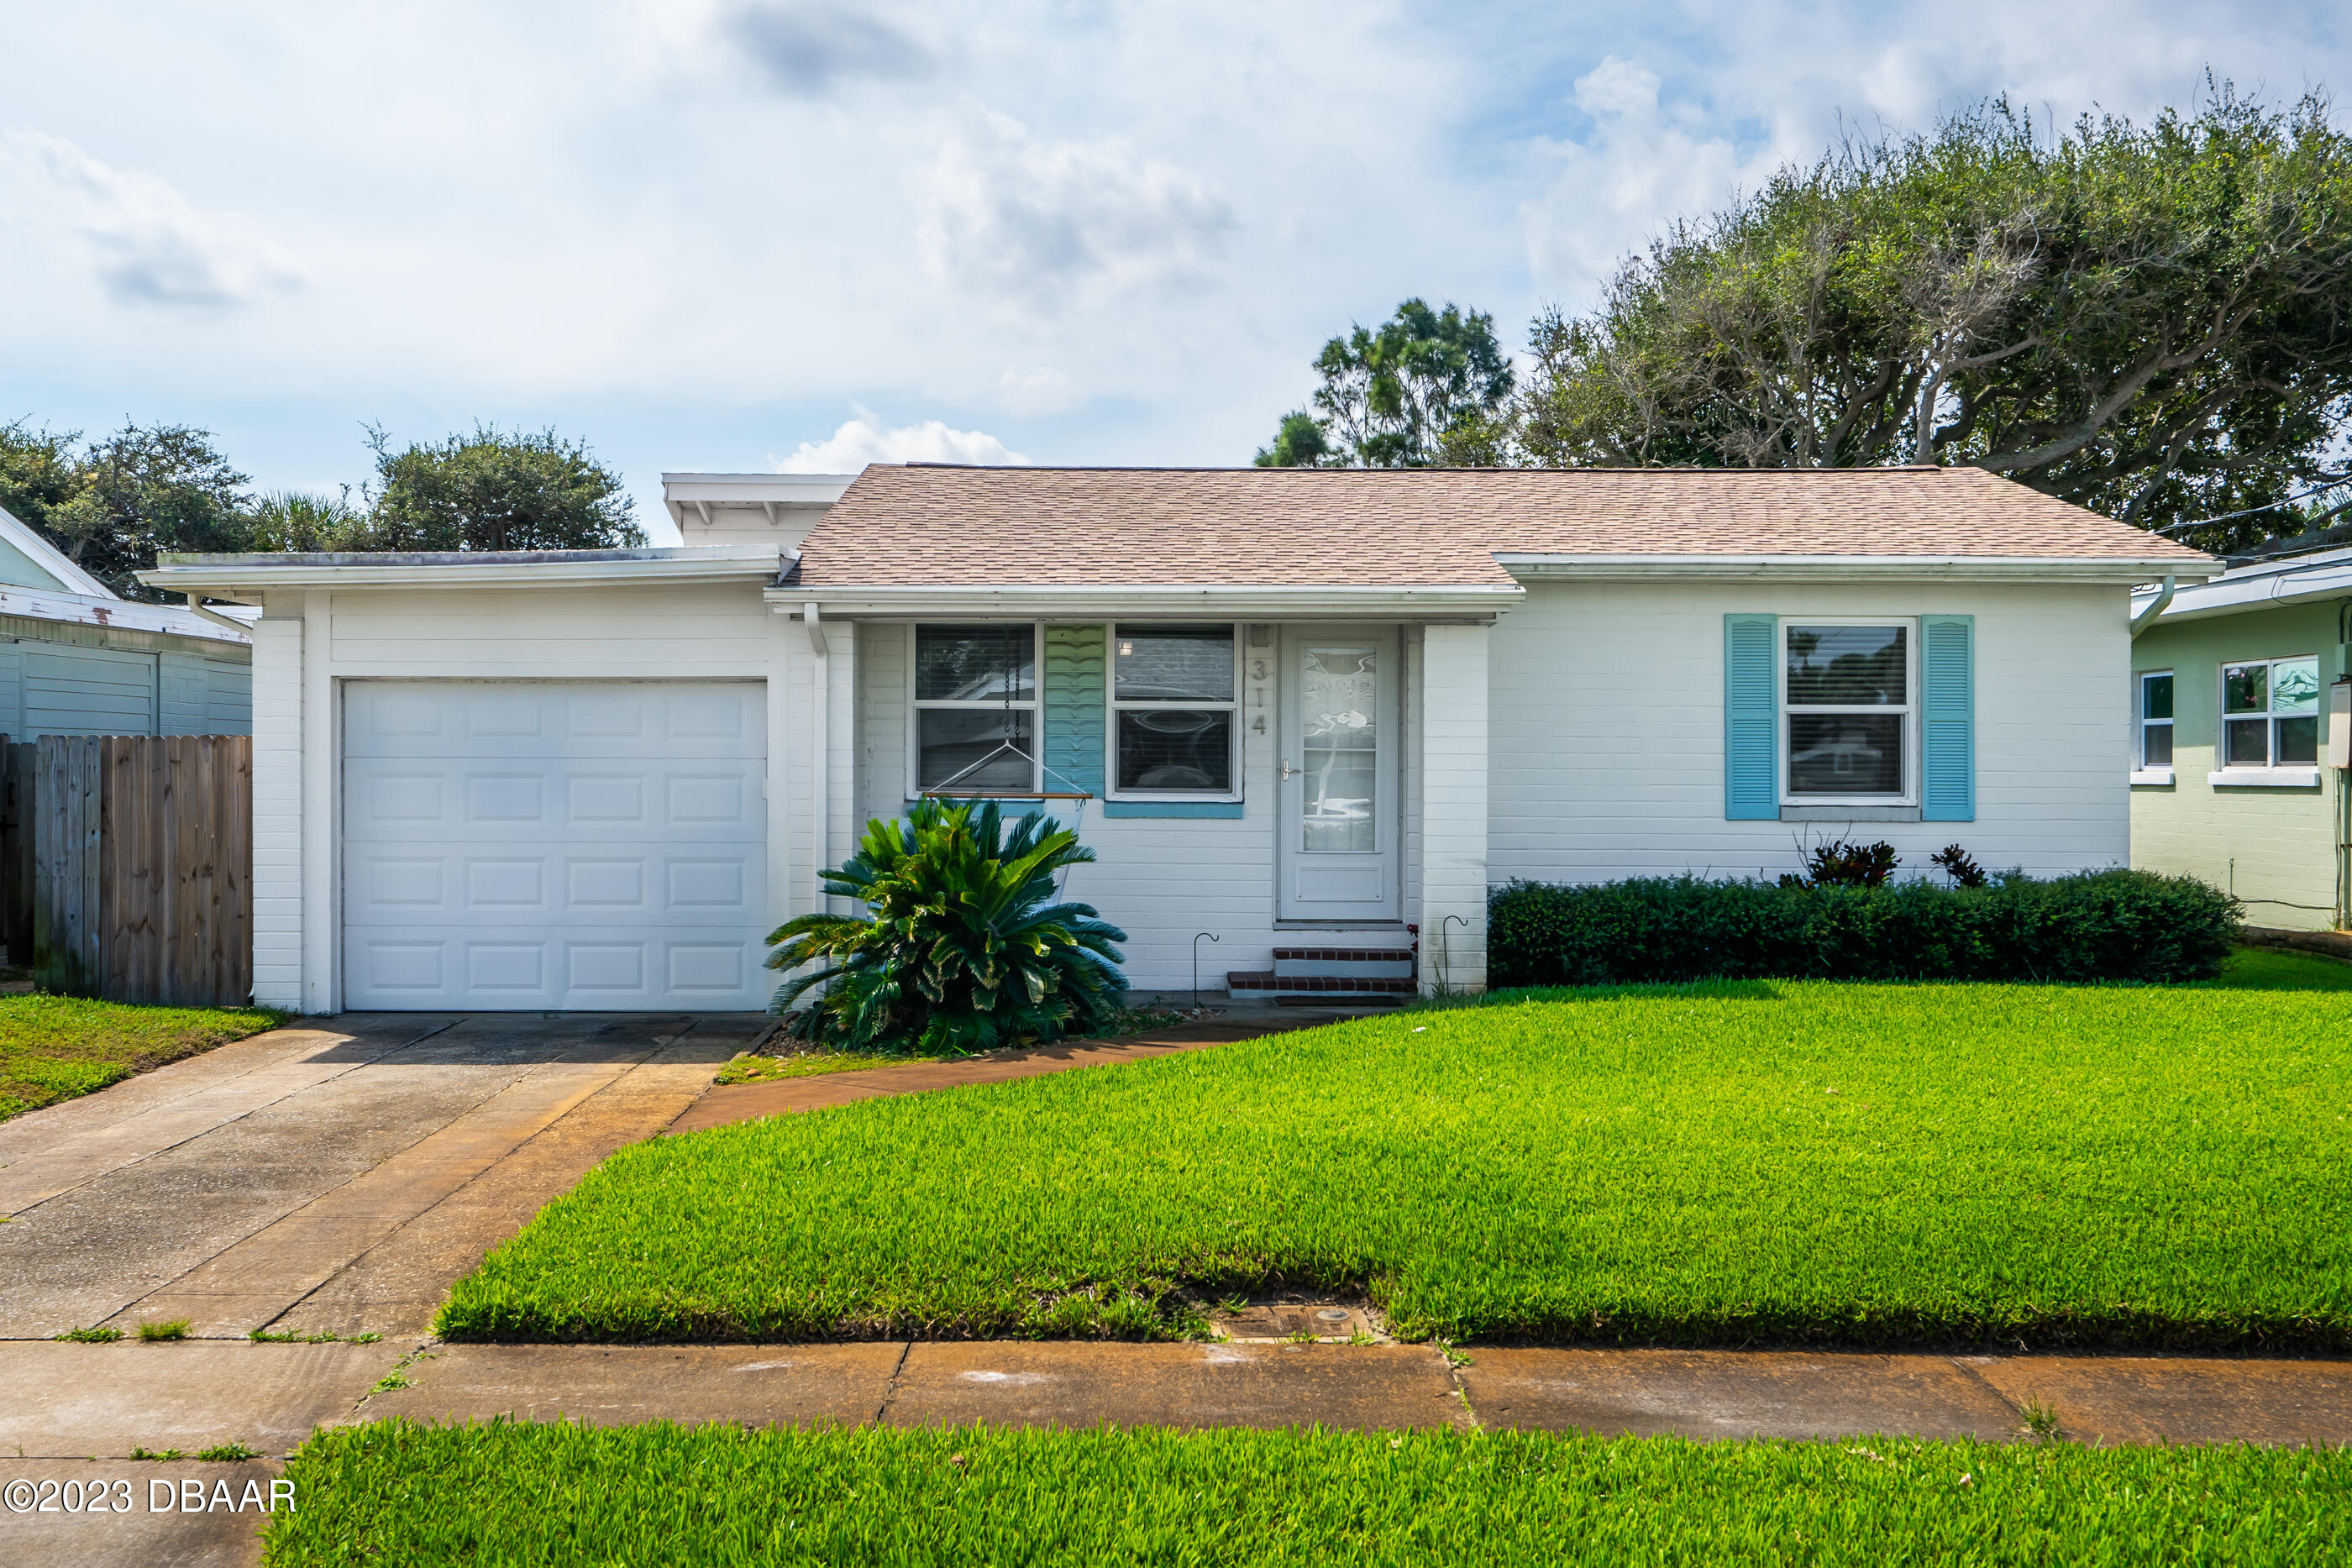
x: 2270, y: 716
x: 1113, y: 706
x: 1908, y: 713
x: 2143, y: 770
x: 917, y: 706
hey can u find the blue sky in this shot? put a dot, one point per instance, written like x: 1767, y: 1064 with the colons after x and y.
x: 740, y: 234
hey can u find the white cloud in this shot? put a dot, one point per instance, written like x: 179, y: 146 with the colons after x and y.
x: 1640, y: 167
x: 1042, y: 222
x: 863, y: 440
x: 1026, y: 391
x: 145, y: 242
x: 1617, y: 87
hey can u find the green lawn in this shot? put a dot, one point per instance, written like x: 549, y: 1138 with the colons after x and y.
x: 1720, y: 1165
x: 54, y: 1048
x: 516, y: 1495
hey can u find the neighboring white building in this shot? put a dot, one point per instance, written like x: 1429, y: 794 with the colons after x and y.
x: 1315, y: 714
x: 78, y: 659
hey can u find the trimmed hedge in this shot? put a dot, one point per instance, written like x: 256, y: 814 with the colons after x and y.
x: 2097, y: 926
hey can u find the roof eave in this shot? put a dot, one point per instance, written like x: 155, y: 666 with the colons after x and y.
x: 234, y: 576
x: 1995, y: 569
x: 2262, y: 590
x: 1050, y: 601
x: 112, y: 613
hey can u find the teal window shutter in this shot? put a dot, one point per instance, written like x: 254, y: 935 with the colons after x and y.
x: 1948, y: 743
x: 1074, y: 708
x: 1751, y: 718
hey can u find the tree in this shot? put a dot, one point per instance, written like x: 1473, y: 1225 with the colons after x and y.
x: 294, y: 520
x: 1426, y: 389
x: 491, y: 491
x: 2152, y: 321
x: 142, y: 490
x: 963, y: 946
x: 39, y: 472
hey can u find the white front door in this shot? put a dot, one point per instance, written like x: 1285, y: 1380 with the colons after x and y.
x: 1339, y: 857
x: 555, y: 844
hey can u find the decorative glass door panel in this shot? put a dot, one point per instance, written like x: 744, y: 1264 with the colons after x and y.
x: 1339, y: 715
x: 1338, y: 832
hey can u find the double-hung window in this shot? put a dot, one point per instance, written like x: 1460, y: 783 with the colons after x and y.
x: 2270, y: 713
x: 1846, y: 708
x: 975, y: 721
x: 1173, y: 713
x: 2153, y: 717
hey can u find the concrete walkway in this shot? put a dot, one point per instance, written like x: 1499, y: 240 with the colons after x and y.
x: 326, y: 1178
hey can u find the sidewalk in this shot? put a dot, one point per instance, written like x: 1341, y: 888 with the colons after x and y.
x: 1647, y: 1393
x: 81, y: 1401
x: 76, y: 1410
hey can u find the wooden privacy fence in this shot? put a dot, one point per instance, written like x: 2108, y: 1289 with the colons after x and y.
x: 140, y: 852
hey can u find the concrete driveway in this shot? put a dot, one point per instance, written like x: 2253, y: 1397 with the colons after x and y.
x: 332, y: 1177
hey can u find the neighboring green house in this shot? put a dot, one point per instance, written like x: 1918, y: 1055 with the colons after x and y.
x: 2240, y: 736
x: 78, y: 659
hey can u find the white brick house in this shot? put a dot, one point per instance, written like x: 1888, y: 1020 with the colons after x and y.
x: 1304, y: 712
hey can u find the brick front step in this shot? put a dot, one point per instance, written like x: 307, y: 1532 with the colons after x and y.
x: 1354, y: 962
x: 1263, y: 983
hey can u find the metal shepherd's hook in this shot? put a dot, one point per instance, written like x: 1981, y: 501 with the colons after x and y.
x: 1196, y: 966
x: 1445, y: 951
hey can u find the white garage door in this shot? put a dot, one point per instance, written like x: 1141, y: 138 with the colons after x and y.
x: 555, y: 844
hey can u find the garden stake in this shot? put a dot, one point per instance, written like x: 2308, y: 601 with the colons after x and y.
x: 1196, y: 966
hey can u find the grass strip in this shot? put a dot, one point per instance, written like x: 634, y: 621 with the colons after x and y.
x: 2158, y: 1167
x: 798, y: 1060
x: 54, y: 1048
x: 515, y: 1495
x: 808, y: 1065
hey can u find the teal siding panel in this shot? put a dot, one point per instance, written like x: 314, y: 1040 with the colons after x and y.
x: 22, y: 570
x: 1751, y: 719
x: 1947, y: 749
x: 1073, y: 704
x: 1229, y: 809
x: 88, y: 690
x: 228, y: 696
x: 12, y: 691
x: 205, y: 695
x: 184, y: 694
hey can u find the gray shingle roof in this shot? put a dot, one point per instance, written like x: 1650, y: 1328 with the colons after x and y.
x: 919, y: 525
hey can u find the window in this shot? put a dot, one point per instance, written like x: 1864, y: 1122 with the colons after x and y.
x: 976, y: 709
x: 1172, y: 711
x: 2270, y: 713
x: 2154, y: 720
x: 1846, y: 705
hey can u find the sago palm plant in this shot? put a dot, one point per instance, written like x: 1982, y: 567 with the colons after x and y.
x: 961, y: 948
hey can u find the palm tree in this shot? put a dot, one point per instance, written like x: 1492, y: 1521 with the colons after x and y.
x: 962, y: 948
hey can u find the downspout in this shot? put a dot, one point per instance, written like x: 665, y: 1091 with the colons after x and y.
x: 2339, y: 755
x: 2147, y: 617
x: 820, y: 764
x: 196, y: 606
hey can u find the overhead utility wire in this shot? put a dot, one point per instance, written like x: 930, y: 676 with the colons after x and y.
x: 2250, y: 511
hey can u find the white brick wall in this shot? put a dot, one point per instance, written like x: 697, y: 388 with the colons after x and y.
x: 1607, y: 729
x: 1456, y: 683
x: 277, y: 811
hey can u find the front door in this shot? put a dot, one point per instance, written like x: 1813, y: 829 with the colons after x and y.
x: 1339, y: 856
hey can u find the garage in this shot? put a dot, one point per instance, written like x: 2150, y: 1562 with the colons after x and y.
x: 544, y: 844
